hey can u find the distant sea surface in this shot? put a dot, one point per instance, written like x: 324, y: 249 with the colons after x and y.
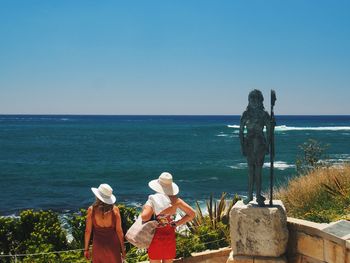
x: 51, y: 161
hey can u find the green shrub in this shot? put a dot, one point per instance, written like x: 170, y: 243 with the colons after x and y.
x: 62, y: 257
x: 310, y: 157
x: 40, y: 248
x: 9, y: 235
x: 77, y: 222
x: 136, y: 255
x: 42, y: 227
x: 214, y: 238
x: 32, y: 232
x: 72, y: 256
x: 187, y: 244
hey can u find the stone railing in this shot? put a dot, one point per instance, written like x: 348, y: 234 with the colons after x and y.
x: 318, y: 243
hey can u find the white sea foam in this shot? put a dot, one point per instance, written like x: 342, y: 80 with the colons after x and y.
x: 326, y: 128
x: 213, y: 178
x: 238, y: 166
x: 337, y: 160
x: 222, y: 135
x: 279, y: 165
x: 232, y: 135
x: 292, y: 128
x: 233, y: 126
x: 12, y: 216
x: 341, y: 155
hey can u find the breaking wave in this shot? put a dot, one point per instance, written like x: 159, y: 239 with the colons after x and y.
x: 293, y: 128
x: 279, y: 165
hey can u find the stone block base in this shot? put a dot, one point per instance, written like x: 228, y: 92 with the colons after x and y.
x: 258, y: 231
x: 254, y: 259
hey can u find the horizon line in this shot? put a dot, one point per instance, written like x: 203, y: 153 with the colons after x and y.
x: 89, y: 114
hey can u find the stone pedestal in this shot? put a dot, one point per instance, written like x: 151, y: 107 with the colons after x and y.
x: 258, y: 234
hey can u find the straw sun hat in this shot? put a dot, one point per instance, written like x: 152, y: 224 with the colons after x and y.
x: 104, y: 193
x: 164, y: 184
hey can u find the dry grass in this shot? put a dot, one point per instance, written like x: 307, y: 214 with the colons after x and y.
x: 322, y: 195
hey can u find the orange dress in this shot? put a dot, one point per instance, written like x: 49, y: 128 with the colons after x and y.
x: 163, y: 245
x: 105, y: 243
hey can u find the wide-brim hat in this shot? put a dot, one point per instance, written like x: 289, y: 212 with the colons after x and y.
x: 164, y: 184
x: 104, y: 193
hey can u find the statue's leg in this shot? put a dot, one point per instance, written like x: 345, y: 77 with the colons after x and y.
x: 258, y: 174
x: 251, y: 173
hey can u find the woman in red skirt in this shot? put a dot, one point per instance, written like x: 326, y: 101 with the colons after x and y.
x: 163, y: 206
x: 103, y: 219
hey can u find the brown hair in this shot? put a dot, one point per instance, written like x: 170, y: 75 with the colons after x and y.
x: 102, y: 207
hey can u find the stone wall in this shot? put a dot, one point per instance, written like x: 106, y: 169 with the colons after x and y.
x: 317, y: 243
x: 209, y: 256
x: 308, y: 243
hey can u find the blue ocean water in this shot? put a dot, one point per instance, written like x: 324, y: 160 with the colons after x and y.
x: 51, y: 161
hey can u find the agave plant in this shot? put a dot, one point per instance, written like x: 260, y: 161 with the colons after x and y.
x: 339, y: 191
x: 217, y: 212
x: 336, y: 189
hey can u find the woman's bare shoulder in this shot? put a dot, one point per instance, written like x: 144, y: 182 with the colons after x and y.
x: 116, y: 210
x: 89, y: 210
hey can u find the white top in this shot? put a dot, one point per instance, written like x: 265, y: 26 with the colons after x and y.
x: 158, y: 202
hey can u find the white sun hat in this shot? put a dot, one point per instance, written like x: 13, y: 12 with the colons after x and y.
x: 104, y: 193
x: 164, y: 184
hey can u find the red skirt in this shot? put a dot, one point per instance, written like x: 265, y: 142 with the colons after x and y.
x: 163, y: 245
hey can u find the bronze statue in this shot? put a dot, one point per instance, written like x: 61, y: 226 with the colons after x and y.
x: 254, y: 143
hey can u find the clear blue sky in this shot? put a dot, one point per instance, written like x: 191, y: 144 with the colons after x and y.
x: 173, y: 57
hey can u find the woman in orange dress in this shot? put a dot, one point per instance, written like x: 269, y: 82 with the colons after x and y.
x: 104, y: 221
x: 163, y: 206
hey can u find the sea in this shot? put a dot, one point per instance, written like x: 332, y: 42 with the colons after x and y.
x: 52, y: 161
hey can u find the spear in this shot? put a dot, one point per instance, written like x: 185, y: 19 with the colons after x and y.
x: 272, y: 142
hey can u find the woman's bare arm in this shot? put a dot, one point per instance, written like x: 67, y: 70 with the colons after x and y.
x: 119, y: 229
x: 190, y: 213
x: 88, y: 229
x: 146, y: 213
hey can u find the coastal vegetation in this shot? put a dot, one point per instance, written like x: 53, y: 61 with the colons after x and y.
x: 312, y: 155
x: 39, y: 236
x: 322, y: 195
x: 321, y: 191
